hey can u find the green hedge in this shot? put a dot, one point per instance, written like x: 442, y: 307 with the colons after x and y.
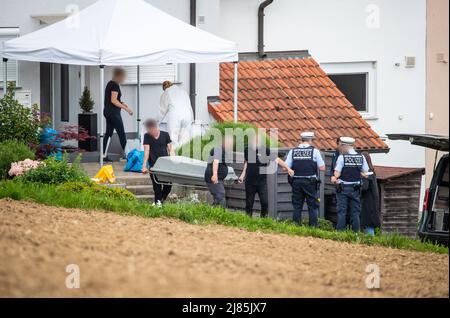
x: 195, y: 147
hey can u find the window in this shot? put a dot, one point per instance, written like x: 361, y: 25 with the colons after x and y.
x: 12, y: 66
x: 11, y: 69
x: 358, y: 82
x: 152, y: 74
x: 354, y: 87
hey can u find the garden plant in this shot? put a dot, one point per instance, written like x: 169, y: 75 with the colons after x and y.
x: 13, y: 151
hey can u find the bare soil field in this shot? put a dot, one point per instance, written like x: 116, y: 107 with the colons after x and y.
x: 126, y: 256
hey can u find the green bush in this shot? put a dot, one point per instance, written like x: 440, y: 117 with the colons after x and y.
x: 12, y: 151
x: 209, y: 138
x: 18, y: 122
x: 86, y: 103
x: 57, y: 172
x: 96, y: 189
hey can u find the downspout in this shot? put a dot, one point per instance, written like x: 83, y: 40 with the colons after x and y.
x: 192, y: 66
x: 261, y: 8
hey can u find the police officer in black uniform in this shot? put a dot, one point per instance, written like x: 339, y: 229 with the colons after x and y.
x: 350, y: 168
x: 303, y: 165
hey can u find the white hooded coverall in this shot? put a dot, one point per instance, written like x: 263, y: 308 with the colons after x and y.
x: 176, y: 110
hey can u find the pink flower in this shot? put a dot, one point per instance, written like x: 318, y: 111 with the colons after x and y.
x: 21, y: 167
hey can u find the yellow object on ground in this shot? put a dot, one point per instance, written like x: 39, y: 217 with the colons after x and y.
x: 106, y: 174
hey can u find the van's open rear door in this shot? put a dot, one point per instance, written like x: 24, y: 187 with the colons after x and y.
x: 440, y: 143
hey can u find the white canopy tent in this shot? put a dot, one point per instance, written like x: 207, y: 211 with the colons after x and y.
x: 120, y: 33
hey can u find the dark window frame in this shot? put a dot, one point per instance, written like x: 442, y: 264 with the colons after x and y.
x: 366, y: 108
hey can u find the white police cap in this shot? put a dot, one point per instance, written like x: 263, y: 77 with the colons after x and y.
x: 307, y: 135
x: 347, y: 141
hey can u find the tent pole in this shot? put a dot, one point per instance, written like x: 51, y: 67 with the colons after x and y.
x: 52, y: 85
x: 138, y: 106
x: 82, y: 78
x: 102, y: 102
x: 236, y: 64
x: 5, y: 76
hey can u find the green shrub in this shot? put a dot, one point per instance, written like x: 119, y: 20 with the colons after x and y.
x: 12, y: 151
x: 57, y: 172
x: 17, y: 121
x: 209, y: 138
x: 86, y: 103
x: 96, y: 189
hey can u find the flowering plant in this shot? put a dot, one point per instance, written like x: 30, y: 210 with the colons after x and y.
x: 21, y: 167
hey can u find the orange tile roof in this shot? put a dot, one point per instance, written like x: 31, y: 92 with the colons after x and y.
x: 293, y: 95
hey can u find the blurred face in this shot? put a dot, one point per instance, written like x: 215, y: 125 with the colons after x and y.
x: 345, y: 149
x: 121, y: 78
x: 253, y: 141
x: 153, y: 131
x: 228, y: 143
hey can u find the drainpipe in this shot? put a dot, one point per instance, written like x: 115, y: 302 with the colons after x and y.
x: 261, y: 8
x: 192, y: 66
x: 5, y: 76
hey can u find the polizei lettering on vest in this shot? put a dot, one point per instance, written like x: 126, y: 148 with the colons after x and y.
x: 353, y: 161
x: 303, y: 154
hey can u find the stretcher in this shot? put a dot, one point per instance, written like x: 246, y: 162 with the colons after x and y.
x: 186, y: 172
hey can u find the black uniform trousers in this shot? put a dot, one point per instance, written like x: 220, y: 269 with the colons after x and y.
x: 251, y: 189
x: 305, y: 189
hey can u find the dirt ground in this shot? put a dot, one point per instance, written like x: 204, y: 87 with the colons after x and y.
x: 124, y: 256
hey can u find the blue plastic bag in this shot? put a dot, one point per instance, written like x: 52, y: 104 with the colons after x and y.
x: 50, y: 143
x: 135, y: 160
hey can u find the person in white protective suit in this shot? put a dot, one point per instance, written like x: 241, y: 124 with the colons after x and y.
x: 176, y: 110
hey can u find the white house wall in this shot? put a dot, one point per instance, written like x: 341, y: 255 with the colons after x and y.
x: 344, y: 31
x: 208, y: 75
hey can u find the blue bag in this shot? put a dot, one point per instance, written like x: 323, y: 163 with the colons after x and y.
x: 50, y: 143
x: 135, y: 159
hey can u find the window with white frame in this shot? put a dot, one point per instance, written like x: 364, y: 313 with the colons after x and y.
x: 354, y: 87
x: 357, y: 81
x: 152, y: 74
x: 12, y: 65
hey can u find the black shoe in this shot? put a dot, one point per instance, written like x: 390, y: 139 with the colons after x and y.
x: 107, y: 159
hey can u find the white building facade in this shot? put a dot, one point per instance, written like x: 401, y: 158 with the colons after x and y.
x: 370, y: 37
x: 379, y: 44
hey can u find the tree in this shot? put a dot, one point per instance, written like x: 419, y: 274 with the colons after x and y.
x: 86, y: 102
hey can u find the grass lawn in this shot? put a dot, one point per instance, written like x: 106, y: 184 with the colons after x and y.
x: 196, y: 214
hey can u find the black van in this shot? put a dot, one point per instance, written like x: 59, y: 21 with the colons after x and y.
x: 434, y: 222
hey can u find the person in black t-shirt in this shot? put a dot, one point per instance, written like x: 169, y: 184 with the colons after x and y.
x: 157, y: 144
x: 113, y: 106
x: 257, y: 157
x: 217, y: 171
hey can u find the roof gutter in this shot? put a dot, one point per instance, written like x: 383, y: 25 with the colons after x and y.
x: 261, y: 14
